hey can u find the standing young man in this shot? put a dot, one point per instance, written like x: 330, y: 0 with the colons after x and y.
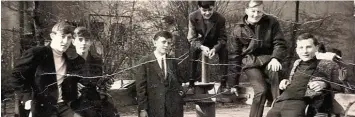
x: 42, y: 72
x: 258, y: 44
x: 207, y: 35
x: 158, y: 90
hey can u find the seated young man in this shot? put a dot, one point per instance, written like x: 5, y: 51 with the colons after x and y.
x: 41, y: 73
x: 308, y: 82
x: 91, y: 103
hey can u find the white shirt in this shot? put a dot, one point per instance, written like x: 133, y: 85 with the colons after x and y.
x: 161, y: 58
x: 61, y: 69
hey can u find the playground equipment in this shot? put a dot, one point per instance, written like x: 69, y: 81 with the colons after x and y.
x: 205, y: 106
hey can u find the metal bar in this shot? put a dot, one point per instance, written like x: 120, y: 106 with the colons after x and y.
x: 206, y: 109
x: 204, y: 78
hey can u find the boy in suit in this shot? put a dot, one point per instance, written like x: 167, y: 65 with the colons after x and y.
x: 158, y: 89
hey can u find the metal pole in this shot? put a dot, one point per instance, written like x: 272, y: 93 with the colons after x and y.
x: 205, y: 108
x: 204, y: 69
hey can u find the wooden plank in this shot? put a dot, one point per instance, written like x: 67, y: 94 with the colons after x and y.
x: 342, y: 101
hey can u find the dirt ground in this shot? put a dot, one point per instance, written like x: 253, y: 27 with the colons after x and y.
x: 222, y: 110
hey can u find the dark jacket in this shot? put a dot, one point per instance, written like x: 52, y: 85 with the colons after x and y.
x: 198, y: 34
x: 158, y: 96
x: 90, y: 97
x: 257, y: 49
x: 328, y: 72
x: 35, y: 73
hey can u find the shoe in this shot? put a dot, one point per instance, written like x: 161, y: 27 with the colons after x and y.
x: 224, y: 90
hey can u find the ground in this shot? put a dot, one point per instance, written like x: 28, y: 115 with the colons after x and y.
x: 222, y: 110
x: 225, y: 110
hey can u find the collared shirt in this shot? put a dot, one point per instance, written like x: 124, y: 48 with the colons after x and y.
x: 250, y: 25
x: 61, y: 69
x: 161, y: 61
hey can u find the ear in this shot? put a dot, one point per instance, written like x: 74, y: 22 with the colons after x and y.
x: 154, y: 43
x: 72, y: 41
x: 52, y: 35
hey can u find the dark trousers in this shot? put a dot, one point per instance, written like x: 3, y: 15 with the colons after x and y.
x: 265, y: 84
x: 23, y: 112
x: 234, y: 73
x: 57, y: 110
x: 89, y: 104
x: 288, y: 108
x: 223, y: 59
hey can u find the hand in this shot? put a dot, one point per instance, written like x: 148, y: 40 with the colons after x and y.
x: 211, y: 53
x: 28, y: 105
x: 143, y: 113
x: 326, y: 56
x: 284, y: 83
x: 181, y: 93
x: 317, y: 85
x: 274, y: 65
x: 205, y: 50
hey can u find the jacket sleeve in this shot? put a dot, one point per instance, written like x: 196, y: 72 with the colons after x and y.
x: 234, y: 47
x: 222, y: 36
x: 335, y: 77
x: 141, y: 86
x: 192, y: 35
x: 24, y: 72
x: 279, y: 42
x: 330, y: 71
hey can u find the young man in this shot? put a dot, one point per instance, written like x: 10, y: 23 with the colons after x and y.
x: 158, y: 90
x: 90, y: 96
x: 207, y: 35
x: 308, y: 82
x: 42, y: 72
x: 258, y: 44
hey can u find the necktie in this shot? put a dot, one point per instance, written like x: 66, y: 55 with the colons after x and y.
x: 163, y: 67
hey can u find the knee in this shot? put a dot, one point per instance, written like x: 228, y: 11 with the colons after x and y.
x: 260, y: 91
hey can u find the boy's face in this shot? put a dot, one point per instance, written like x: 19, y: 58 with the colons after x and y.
x: 82, y: 44
x: 254, y: 13
x: 306, y: 49
x: 162, y: 45
x: 60, y: 41
x: 207, y: 13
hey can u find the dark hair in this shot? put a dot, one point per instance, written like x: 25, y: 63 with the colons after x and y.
x: 321, y: 48
x: 306, y: 36
x: 81, y: 32
x: 336, y: 51
x: 206, y: 4
x: 63, y: 27
x: 256, y: 3
x: 164, y: 34
x: 168, y: 20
